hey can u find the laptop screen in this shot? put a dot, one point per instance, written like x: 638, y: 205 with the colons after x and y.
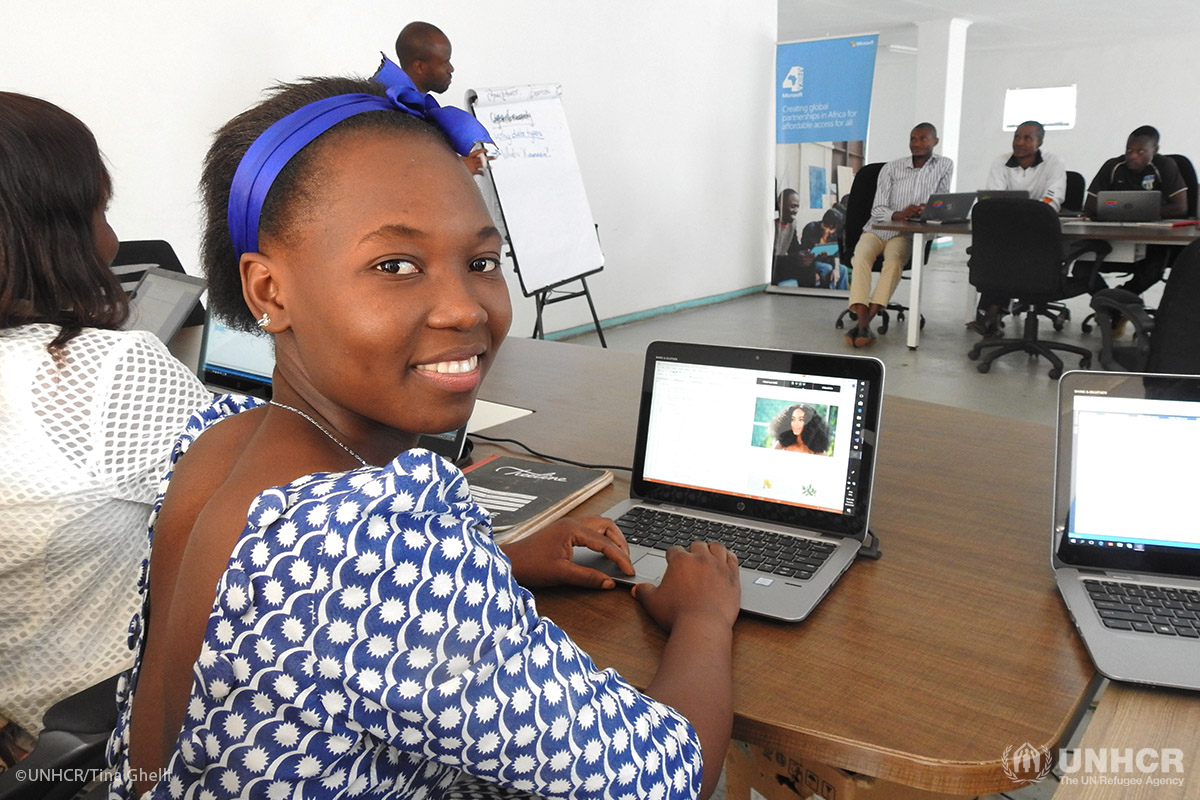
x: 161, y: 301
x: 770, y: 435
x: 1125, y: 444
x: 235, y: 360
x: 241, y: 362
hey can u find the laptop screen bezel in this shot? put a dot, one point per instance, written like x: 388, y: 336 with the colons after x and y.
x: 1171, y: 561
x: 188, y: 289
x: 868, y: 370
x: 226, y: 380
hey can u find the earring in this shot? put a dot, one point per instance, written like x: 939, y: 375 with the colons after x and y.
x: 264, y: 320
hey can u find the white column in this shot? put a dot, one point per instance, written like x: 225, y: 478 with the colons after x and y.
x: 941, y: 54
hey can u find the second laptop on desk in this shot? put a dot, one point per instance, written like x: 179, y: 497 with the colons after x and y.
x: 1125, y: 545
x: 956, y: 206
x: 1129, y: 206
x: 952, y: 207
x: 722, y: 455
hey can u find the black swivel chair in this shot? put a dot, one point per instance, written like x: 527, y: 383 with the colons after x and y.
x: 71, y: 750
x: 1017, y: 252
x: 1188, y: 173
x: 1076, y: 191
x: 1058, y: 313
x: 859, y: 203
x: 1165, y: 340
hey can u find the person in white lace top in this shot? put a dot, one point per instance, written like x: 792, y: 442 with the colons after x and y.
x: 88, y: 416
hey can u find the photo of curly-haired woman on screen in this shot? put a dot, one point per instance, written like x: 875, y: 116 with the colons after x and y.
x: 800, y: 429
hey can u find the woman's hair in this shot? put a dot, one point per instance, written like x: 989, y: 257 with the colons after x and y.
x: 52, y: 183
x: 294, y: 189
x: 815, y: 435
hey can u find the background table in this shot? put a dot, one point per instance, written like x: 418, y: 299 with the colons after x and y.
x: 920, y: 668
x: 1131, y: 717
x: 1136, y: 233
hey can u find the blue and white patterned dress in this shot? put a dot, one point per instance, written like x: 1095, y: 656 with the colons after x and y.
x: 368, y: 640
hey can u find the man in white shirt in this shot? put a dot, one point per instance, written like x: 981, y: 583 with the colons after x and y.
x: 1028, y: 169
x: 904, y: 186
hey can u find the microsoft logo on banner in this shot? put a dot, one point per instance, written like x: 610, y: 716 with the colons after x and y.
x: 794, y: 81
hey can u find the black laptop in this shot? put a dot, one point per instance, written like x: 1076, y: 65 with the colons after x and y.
x: 1129, y: 206
x: 951, y: 207
x: 242, y: 363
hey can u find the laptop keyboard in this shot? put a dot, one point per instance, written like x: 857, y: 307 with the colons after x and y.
x: 1165, y: 610
x: 766, y: 551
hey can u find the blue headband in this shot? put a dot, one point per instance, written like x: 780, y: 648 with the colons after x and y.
x: 280, y: 143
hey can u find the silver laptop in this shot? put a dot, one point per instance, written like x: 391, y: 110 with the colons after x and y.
x: 954, y: 207
x: 1129, y: 206
x: 719, y: 458
x: 1002, y: 194
x: 161, y: 301
x: 1125, y: 545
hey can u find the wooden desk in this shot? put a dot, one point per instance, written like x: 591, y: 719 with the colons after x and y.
x: 1108, y: 231
x: 1131, y: 717
x: 919, y: 668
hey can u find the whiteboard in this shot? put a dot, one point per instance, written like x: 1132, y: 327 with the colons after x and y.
x: 537, y: 180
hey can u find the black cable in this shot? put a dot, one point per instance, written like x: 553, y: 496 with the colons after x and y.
x: 529, y: 449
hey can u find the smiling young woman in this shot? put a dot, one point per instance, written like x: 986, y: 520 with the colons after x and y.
x: 330, y: 613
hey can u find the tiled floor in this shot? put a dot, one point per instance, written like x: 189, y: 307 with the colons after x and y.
x: 938, y: 371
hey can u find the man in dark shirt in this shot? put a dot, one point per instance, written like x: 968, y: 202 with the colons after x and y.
x: 825, y: 231
x: 1142, y: 168
x: 790, y: 263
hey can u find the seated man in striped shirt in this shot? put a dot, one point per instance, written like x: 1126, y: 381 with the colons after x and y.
x: 904, y: 186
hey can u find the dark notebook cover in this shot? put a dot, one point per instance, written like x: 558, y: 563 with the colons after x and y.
x: 522, y: 495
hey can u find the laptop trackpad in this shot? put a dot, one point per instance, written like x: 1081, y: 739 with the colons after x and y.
x: 650, y: 568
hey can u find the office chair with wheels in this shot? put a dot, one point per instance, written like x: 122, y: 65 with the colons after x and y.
x: 1164, y: 340
x: 858, y: 212
x: 1017, y: 252
x: 1076, y: 191
x: 71, y: 750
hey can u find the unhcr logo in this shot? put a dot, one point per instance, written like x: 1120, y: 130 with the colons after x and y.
x: 1090, y: 766
x: 1026, y: 763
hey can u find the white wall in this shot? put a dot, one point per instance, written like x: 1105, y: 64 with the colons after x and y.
x: 1120, y: 86
x: 892, y: 105
x: 670, y: 107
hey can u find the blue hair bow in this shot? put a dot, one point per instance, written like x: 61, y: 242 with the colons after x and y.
x: 463, y: 130
x: 280, y: 143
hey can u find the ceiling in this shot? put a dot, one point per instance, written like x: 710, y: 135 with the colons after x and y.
x: 995, y: 25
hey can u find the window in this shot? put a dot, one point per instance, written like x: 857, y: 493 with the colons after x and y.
x: 1053, y: 106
